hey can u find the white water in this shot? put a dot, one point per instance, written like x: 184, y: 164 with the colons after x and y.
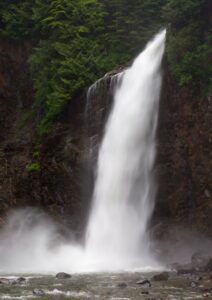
x: 124, y: 189
x: 124, y: 192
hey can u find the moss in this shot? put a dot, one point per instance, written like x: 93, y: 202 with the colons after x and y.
x: 33, y: 167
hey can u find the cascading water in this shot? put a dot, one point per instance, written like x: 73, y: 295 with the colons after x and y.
x: 124, y: 189
x: 116, y: 237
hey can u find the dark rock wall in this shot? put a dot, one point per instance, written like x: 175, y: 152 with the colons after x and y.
x: 58, y: 185
x: 184, y: 162
x: 63, y: 185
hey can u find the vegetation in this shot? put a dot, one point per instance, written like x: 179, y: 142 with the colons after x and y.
x: 78, y: 41
x: 34, y: 166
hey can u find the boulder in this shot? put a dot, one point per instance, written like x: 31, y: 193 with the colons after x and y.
x: 164, y: 276
x: 19, y: 280
x: 63, y: 275
x: 4, y: 281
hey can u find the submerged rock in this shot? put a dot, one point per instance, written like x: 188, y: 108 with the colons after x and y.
x: 161, y: 277
x: 63, y: 275
x: 144, y: 283
x: 38, y: 292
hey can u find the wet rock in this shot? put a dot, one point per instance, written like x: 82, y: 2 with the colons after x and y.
x: 122, y: 285
x: 63, y: 275
x: 19, y: 280
x: 4, y: 281
x: 38, y: 292
x: 144, y: 283
x: 164, y: 276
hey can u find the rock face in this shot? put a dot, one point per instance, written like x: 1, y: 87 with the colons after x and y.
x: 57, y: 186
x: 63, y: 184
x: 183, y: 164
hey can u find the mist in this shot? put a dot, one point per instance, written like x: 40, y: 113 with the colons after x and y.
x: 31, y: 242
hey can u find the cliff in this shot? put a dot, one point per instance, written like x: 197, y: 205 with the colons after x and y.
x: 62, y: 183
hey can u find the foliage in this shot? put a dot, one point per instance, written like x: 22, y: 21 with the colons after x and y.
x: 78, y: 41
x: 189, y: 41
x: 33, y: 167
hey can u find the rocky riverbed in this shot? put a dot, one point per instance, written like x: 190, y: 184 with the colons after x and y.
x: 108, y: 286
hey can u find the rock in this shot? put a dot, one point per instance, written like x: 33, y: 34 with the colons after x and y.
x: 4, y: 281
x: 144, y: 283
x: 164, y: 276
x: 122, y: 285
x: 38, y: 292
x: 19, y: 280
x: 62, y: 275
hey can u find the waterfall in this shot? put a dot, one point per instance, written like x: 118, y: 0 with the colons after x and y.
x: 124, y: 190
x: 123, y: 198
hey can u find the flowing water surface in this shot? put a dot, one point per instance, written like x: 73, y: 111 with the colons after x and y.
x: 106, y: 286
